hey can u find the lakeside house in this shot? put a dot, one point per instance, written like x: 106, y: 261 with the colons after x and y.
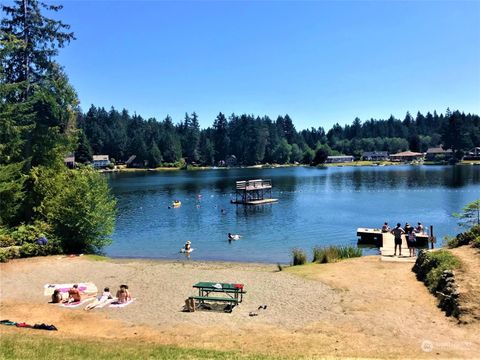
x: 438, y: 153
x: 339, y: 159
x: 406, y: 156
x: 375, y: 155
x: 473, y: 154
x: 100, y: 161
x: 231, y: 161
x: 69, y: 161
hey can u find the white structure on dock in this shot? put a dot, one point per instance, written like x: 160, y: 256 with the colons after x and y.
x: 253, y: 192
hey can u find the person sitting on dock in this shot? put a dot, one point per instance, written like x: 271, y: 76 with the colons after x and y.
x: 419, y: 229
x: 385, y: 228
x: 398, y: 232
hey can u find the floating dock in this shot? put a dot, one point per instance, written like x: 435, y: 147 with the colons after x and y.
x: 253, y: 192
x: 386, y: 242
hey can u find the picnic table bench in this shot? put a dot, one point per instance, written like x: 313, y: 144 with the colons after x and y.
x: 210, y: 292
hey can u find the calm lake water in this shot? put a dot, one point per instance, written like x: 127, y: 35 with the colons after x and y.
x: 316, y: 207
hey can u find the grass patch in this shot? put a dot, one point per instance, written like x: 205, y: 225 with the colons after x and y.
x: 299, y: 257
x: 96, y: 257
x: 430, y: 266
x: 330, y: 254
x: 16, y: 346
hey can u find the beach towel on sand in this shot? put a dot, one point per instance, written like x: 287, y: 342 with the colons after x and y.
x: 120, y: 305
x: 76, y: 303
x: 84, y: 288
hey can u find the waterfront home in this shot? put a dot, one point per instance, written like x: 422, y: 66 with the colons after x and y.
x: 406, y: 156
x: 231, y: 160
x: 473, y: 154
x: 375, y: 155
x: 339, y: 159
x: 69, y: 161
x: 100, y: 161
x: 438, y: 153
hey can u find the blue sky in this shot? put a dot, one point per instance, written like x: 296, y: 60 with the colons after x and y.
x: 320, y: 62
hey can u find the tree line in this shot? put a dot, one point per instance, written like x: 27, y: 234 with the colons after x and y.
x: 259, y: 140
x: 39, y: 196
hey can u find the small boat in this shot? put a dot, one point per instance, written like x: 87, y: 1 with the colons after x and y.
x: 176, y: 203
x: 233, y: 236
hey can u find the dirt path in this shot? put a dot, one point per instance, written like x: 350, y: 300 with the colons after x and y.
x: 358, y: 308
x: 468, y: 281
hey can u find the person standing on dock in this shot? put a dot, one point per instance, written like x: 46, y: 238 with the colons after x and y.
x: 398, y: 232
x: 411, y: 242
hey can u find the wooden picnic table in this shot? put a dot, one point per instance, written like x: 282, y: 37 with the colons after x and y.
x: 232, y: 292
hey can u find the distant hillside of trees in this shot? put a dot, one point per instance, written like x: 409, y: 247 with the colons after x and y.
x: 258, y: 140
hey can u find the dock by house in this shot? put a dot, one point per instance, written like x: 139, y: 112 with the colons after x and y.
x: 253, y: 192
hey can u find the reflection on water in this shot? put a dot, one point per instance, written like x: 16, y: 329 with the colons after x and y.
x: 316, y: 207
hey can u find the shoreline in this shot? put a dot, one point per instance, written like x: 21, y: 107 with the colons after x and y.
x: 360, y: 163
x: 114, y: 259
x: 310, y: 308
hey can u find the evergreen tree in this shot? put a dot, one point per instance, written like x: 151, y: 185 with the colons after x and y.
x: 38, y: 109
x: 220, y: 137
x: 83, y: 154
x: 41, y: 37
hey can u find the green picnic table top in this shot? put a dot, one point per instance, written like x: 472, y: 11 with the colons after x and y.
x: 207, y: 285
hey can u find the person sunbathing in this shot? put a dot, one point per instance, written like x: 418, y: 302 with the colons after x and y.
x: 57, y: 296
x: 74, y: 294
x: 123, y: 295
x: 102, y: 300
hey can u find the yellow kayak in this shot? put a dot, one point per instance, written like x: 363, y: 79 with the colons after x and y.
x: 176, y: 203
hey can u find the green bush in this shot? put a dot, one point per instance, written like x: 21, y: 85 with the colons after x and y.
x: 83, y: 213
x: 12, y: 252
x: 31, y: 232
x: 431, y: 264
x: 299, y: 256
x: 5, y: 238
x: 329, y: 254
x: 29, y: 250
x: 471, y: 236
x: 476, y: 242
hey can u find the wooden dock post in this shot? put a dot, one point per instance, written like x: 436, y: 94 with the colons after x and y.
x: 432, y: 237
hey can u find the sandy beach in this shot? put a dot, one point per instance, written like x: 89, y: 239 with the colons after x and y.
x: 357, y: 308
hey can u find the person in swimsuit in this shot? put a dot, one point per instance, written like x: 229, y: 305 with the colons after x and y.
x: 411, y: 240
x: 123, y: 295
x: 398, y: 232
x: 74, y: 294
x: 385, y: 228
x: 57, y: 296
x: 106, y: 296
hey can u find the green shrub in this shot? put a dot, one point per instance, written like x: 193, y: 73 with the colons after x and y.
x: 476, y: 242
x: 83, y: 213
x: 5, y: 238
x: 31, y: 232
x: 299, y: 256
x: 431, y: 264
x: 329, y: 254
x: 471, y: 236
x: 11, y: 252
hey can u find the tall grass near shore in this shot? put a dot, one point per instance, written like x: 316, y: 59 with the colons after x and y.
x: 323, y: 255
x: 330, y: 254
x: 299, y: 257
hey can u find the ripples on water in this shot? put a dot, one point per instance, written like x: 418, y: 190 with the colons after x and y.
x: 316, y: 207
